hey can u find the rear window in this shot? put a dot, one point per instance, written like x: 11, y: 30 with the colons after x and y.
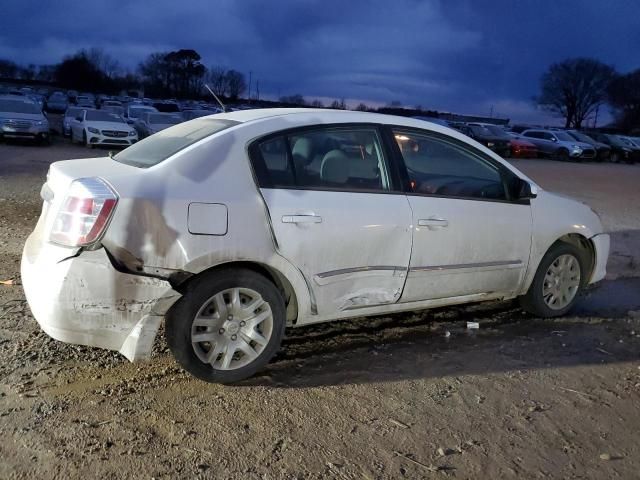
x: 157, y: 148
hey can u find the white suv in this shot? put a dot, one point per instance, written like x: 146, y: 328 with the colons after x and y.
x: 233, y: 226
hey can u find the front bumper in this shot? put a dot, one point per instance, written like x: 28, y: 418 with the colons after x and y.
x: 601, y: 245
x: 31, y: 133
x: 99, y: 139
x: 84, y: 300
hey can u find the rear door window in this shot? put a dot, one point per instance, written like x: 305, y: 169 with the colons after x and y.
x: 333, y: 158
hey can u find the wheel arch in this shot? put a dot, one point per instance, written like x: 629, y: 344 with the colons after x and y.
x: 576, y: 239
x: 274, y: 275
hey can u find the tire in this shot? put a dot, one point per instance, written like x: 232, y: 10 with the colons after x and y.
x: 534, y: 300
x: 562, y: 155
x: 614, y: 158
x: 225, y: 325
x: 85, y: 140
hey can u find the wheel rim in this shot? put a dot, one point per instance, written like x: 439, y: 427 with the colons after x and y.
x: 232, y: 328
x: 561, y: 282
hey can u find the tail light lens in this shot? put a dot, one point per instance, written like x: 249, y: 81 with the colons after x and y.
x: 84, y: 214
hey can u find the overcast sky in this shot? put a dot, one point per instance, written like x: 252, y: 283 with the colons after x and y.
x: 464, y: 56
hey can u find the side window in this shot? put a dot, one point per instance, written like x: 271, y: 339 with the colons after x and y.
x: 548, y: 136
x: 349, y: 159
x: 438, y: 167
x: 275, y: 170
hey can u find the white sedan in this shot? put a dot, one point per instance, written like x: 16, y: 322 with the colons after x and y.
x: 99, y: 127
x: 230, y: 227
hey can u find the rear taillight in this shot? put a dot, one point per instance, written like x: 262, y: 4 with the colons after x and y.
x: 84, y: 214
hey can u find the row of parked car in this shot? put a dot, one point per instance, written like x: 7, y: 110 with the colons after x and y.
x: 560, y: 144
x: 121, y: 121
x: 93, y: 120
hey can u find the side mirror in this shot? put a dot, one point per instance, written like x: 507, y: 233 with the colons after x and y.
x: 525, y: 190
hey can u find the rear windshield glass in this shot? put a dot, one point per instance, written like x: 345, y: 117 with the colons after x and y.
x: 157, y: 148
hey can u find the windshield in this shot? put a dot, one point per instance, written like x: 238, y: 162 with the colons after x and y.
x: 615, y: 140
x: 164, y: 119
x: 157, y: 148
x: 113, y: 109
x: 627, y: 141
x: 478, y: 130
x: 18, y: 106
x: 581, y: 137
x: 138, y: 111
x: 101, y: 116
x: 73, y: 112
x: 496, y: 131
x: 564, y: 136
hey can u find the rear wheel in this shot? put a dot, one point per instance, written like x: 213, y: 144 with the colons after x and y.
x: 227, y: 326
x: 558, y: 280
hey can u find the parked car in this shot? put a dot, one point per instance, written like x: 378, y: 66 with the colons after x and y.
x: 603, y: 151
x: 85, y: 101
x: 620, y: 150
x: 499, y: 143
x: 191, y: 114
x: 97, y: 127
x: 167, y: 107
x: 153, y: 122
x: 559, y: 145
x: 521, y: 148
x: 329, y: 215
x: 133, y: 112
x: 57, y: 102
x: 21, y: 117
x: 111, y: 103
x: 69, y: 115
x: 118, y: 110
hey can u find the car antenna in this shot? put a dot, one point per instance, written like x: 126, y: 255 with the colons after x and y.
x: 224, y: 109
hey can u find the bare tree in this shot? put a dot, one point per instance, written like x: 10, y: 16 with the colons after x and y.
x: 218, y: 81
x: 362, y: 107
x: 624, y: 96
x: 236, y: 84
x: 296, y: 99
x: 338, y: 104
x: 317, y: 104
x: 574, y: 89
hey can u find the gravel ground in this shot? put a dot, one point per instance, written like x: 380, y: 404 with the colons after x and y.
x: 384, y: 397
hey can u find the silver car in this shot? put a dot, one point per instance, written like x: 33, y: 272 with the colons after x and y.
x: 559, y: 145
x: 21, y: 117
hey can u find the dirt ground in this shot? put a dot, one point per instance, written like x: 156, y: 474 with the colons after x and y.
x: 385, y: 397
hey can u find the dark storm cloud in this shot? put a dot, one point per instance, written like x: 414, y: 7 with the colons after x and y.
x: 464, y: 56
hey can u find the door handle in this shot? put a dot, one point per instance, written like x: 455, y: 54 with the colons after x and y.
x: 302, y: 218
x: 433, y: 222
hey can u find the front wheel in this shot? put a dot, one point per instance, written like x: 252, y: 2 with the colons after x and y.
x: 227, y: 326
x: 558, y: 280
x: 562, y: 155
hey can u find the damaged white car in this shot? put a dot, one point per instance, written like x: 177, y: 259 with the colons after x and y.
x: 231, y: 227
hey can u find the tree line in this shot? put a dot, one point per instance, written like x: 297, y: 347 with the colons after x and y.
x: 573, y: 89
x: 177, y: 74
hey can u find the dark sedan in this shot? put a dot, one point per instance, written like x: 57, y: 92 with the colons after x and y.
x: 499, y: 143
